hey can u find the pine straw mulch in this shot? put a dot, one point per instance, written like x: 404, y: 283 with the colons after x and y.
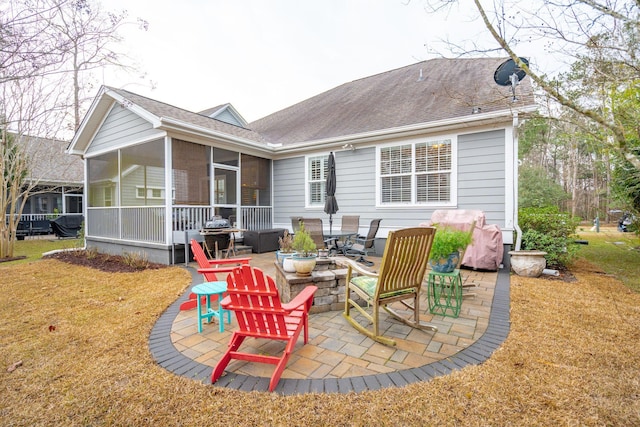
x: 81, y: 334
x: 104, y: 262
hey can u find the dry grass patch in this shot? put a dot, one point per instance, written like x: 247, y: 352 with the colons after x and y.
x: 571, y: 359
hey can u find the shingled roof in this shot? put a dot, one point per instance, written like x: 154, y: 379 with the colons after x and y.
x: 448, y: 89
x: 50, y: 164
x: 437, y: 92
x: 163, y: 110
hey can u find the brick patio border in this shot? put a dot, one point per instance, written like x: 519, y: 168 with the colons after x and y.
x: 167, y: 356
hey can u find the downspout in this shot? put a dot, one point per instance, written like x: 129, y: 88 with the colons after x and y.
x: 516, y: 163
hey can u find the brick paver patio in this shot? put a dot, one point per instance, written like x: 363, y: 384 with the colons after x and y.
x: 337, y: 358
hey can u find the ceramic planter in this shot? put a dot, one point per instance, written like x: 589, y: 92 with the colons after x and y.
x: 445, y: 265
x: 304, y: 265
x: 280, y: 256
x: 287, y: 264
x: 528, y: 263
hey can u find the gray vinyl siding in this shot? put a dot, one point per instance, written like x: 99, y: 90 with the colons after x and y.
x: 121, y: 125
x: 481, y: 174
x: 481, y: 181
x: 288, y: 194
x: 227, y: 117
x: 154, y: 179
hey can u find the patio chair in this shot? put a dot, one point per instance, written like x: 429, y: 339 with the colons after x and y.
x: 363, y: 244
x: 314, y: 227
x: 350, y: 224
x: 208, y: 268
x: 295, y: 223
x: 253, y: 297
x: 400, y: 278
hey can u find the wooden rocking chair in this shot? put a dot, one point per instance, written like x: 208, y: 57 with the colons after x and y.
x: 253, y: 297
x: 208, y: 268
x: 400, y: 278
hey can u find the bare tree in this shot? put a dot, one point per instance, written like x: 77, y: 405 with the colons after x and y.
x: 91, y: 36
x: 43, y: 45
x: 605, y: 31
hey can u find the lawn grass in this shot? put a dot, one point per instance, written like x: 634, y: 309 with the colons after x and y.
x: 615, y: 253
x: 33, y: 249
x: 74, y: 352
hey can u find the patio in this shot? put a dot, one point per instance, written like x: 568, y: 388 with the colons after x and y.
x: 337, y: 358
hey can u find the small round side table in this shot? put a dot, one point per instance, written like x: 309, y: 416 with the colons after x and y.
x: 208, y: 289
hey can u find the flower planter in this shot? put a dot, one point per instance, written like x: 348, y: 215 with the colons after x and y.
x: 281, y: 256
x: 445, y: 265
x: 303, y: 265
x: 287, y: 264
x: 528, y: 263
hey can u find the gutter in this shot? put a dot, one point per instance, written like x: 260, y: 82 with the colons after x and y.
x: 516, y: 163
x: 167, y: 123
x: 440, y: 125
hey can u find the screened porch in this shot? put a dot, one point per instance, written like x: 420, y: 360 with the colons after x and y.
x: 158, y: 192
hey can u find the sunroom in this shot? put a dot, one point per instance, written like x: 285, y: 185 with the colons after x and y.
x: 159, y: 194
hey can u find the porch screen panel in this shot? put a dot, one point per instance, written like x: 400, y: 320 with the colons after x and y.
x: 190, y: 173
x: 142, y: 175
x: 255, y: 181
x: 103, y: 180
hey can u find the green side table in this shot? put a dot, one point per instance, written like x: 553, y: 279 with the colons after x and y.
x: 444, y: 291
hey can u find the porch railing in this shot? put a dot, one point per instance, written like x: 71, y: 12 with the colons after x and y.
x: 147, y: 223
x: 257, y: 217
x: 39, y: 217
x: 144, y: 224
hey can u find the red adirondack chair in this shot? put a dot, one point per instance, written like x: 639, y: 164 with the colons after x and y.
x: 208, y: 268
x: 253, y: 297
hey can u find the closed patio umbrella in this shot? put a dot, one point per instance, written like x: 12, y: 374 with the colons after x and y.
x: 330, y: 203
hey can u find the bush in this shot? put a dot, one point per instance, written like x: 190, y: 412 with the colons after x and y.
x: 548, y: 230
x: 135, y: 260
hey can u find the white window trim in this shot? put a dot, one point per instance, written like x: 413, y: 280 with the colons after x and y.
x: 149, y: 191
x: 307, y: 196
x: 413, y: 141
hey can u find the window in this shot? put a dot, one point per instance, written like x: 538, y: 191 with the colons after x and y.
x: 149, y: 193
x: 416, y: 173
x: 316, y: 179
x: 108, y: 196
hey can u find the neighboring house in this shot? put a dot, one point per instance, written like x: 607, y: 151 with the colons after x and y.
x: 439, y: 134
x: 57, y: 179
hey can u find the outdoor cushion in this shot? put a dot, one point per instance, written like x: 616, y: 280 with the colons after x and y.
x: 368, y: 284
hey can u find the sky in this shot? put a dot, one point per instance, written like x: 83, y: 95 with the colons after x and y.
x: 263, y: 56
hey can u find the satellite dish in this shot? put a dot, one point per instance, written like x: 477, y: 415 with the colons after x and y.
x: 509, y: 74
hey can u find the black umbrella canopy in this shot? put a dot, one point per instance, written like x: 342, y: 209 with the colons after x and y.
x: 330, y: 203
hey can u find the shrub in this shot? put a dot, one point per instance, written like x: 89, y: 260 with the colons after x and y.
x: 136, y: 260
x: 548, y: 230
x: 448, y: 240
x: 303, y: 244
x: 286, y: 242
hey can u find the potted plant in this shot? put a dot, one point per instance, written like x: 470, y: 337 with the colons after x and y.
x: 304, y: 257
x: 445, y: 251
x: 286, y: 248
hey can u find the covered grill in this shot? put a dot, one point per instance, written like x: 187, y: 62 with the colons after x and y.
x: 216, y: 234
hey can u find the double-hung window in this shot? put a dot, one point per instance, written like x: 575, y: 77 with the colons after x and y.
x: 317, y: 168
x: 416, y: 173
